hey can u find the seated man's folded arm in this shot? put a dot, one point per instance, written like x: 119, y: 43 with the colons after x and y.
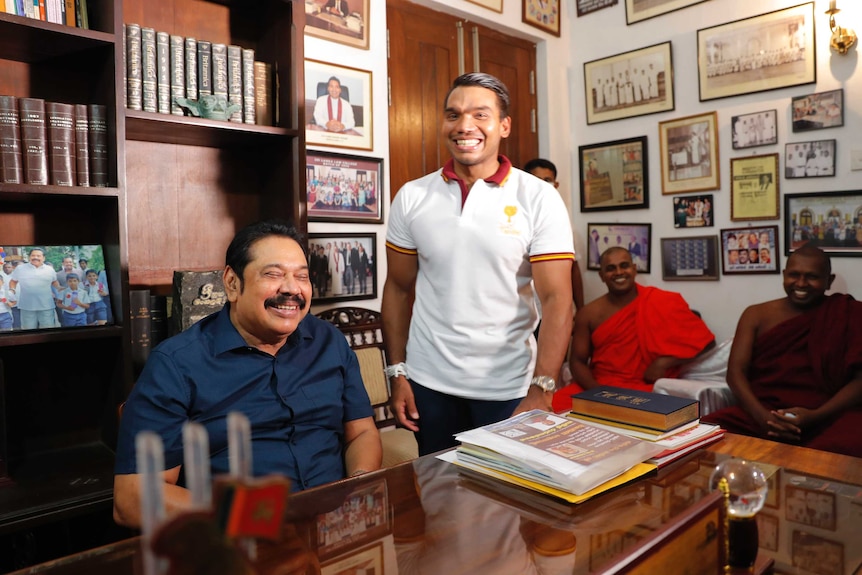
x: 127, y: 497
x: 582, y: 350
x: 847, y: 397
x: 362, y: 450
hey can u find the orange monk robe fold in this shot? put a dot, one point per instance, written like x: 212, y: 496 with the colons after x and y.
x: 657, y: 323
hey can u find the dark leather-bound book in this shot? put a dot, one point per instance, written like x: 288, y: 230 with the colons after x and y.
x: 34, y: 140
x: 219, y: 53
x: 178, y: 72
x: 98, y: 145
x: 82, y: 145
x: 635, y: 408
x: 263, y: 93
x: 149, y: 63
x: 134, y: 78
x: 234, y: 80
x: 191, y: 53
x: 139, y: 322
x: 248, y: 86
x: 205, y: 68
x: 61, y: 143
x: 10, y: 141
x: 163, y: 72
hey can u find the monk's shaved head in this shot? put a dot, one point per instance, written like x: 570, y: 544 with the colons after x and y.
x: 812, y: 251
x: 611, y: 251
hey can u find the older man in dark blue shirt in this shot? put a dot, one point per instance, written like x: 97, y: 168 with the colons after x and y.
x: 291, y: 374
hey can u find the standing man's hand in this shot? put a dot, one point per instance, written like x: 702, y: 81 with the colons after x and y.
x: 536, y: 399
x: 403, y: 404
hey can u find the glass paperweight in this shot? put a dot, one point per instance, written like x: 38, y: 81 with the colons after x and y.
x: 744, y: 487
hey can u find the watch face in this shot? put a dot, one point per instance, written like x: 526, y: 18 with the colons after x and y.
x: 545, y: 382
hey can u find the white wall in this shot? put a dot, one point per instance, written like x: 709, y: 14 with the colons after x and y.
x: 563, y: 127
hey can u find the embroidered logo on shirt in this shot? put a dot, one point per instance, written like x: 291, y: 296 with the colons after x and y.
x: 508, y: 227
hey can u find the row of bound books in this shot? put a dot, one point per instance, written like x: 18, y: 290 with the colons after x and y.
x: 162, y: 67
x: 68, y: 12
x: 53, y: 143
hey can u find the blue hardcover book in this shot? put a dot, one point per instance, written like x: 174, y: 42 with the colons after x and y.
x: 635, y: 408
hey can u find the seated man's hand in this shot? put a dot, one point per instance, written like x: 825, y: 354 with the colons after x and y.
x: 334, y: 126
x: 783, y: 424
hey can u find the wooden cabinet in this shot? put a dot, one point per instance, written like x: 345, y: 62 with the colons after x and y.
x: 179, y: 188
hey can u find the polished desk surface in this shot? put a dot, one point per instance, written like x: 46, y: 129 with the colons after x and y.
x: 425, y: 517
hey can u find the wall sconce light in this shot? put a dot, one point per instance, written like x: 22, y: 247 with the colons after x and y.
x: 842, y: 38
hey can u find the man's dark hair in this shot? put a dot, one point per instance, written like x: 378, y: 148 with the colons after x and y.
x: 812, y: 251
x: 331, y: 78
x: 540, y: 163
x: 483, y: 81
x: 237, y: 255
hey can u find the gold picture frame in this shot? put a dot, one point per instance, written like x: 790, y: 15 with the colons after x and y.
x: 495, y: 5
x: 355, y: 90
x: 342, y: 21
x: 754, y: 188
x: 542, y: 14
x: 689, y: 154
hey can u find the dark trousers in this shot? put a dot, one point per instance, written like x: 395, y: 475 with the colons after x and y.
x: 441, y: 416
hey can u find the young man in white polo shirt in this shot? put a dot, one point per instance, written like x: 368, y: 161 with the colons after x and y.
x: 470, y: 237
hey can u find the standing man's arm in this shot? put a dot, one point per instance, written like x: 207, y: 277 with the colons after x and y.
x: 362, y: 450
x: 553, y: 284
x: 396, y: 311
x: 577, y: 286
x: 582, y: 350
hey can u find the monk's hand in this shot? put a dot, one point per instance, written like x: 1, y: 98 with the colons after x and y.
x: 658, y: 368
x: 784, y: 424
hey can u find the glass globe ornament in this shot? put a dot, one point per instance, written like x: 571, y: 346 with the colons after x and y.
x: 744, y: 487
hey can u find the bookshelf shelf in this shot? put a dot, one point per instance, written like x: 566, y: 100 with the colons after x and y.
x: 59, y: 335
x: 170, y: 129
x: 25, y: 192
x: 26, y: 40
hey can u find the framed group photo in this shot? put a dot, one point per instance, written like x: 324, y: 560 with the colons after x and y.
x: 636, y: 238
x: 755, y: 129
x: 337, y: 106
x: 816, y: 554
x: 751, y: 250
x: 693, y: 211
x: 689, y: 154
x: 818, y: 111
x: 690, y: 258
x: 637, y: 10
x: 754, y: 188
x: 542, y: 14
x: 765, y: 52
x: 630, y: 84
x: 584, y: 7
x: 809, y: 159
x: 342, y: 21
x: 343, y: 266
x: 830, y: 220
x: 614, y: 175
x: 341, y: 188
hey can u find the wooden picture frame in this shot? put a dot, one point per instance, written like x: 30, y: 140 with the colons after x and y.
x: 366, y: 560
x: 754, y: 188
x: 332, y: 178
x: 495, y: 5
x: 328, y: 288
x: 812, y: 507
x: 584, y: 7
x: 815, y: 159
x: 766, y: 52
x: 768, y: 531
x: 355, y: 86
x: 773, y: 485
x: 689, y: 154
x: 614, y: 175
x: 690, y: 258
x: 635, y: 237
x: 339, y: 24
x: 816, y: 554
x: 638, y: 10
x: 805, y: 216
x: 818, y: 111
x: 754, y: 129
x: 737, y: 245
x: 693, y: 211
x: 613, y: 94
x: 542, y: 14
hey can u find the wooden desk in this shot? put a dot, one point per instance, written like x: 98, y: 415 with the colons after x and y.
x: 431, y: 519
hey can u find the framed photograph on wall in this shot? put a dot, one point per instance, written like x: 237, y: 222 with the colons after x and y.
x: 755, y: 129
x: 636, y: 238
x: 585, y: 7
x: 542, y: 14
x: 337, y: 106
x: 637, y: 10
x: 343, y: 266
x: 614, y: 175
x: 341, y: 188
x: 689, y: 154
x: 818, y: 111
x: 831, y: 220
x: 815, y: 508
x: 630, y: 84
x: 495, y: 5
x: 342, y: 21
x: 809, y: 159
x: 767, y: 531
x: 693, y: 211
x: 754, y: 188
x: 750, y: 250
x: 816, y: 554
x: 765, y: 52
x: 690, y: 258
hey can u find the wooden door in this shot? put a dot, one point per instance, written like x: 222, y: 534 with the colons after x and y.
x: 424, y: 58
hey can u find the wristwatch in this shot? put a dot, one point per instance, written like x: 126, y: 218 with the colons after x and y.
x: 545, y: 382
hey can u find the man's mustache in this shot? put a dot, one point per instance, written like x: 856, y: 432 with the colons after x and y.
x: 284, y: 299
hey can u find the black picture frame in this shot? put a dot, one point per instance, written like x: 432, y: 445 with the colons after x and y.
x: 649, y: 10
x: 754, y: 129
x: 738, y: 241
x: 813, y: 159
x: 693, y: 211
x: 818, y: 111
x: 692, y: 258
x: 340, y: 291
x: 326, y: 173
x: 838, y: 210
x: 601, y: 236
x: 614, y: 175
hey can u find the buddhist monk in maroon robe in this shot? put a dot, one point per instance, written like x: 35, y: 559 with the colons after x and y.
x: 796, y: 363
x: 632, y: 335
